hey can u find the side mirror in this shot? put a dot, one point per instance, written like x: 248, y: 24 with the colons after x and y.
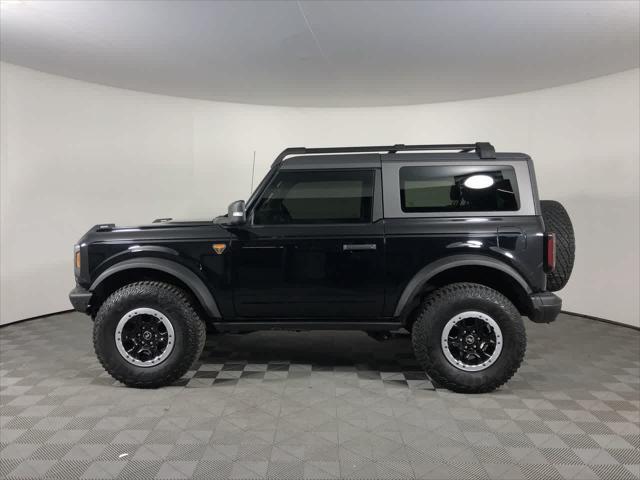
x: 236, y: 214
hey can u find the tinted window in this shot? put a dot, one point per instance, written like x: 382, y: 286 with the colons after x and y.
x: 458, y: 188
x: 317, y: 197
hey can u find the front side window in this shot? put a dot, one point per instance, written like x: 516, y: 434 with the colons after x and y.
x: 316, y: 197
x: 458, y: 188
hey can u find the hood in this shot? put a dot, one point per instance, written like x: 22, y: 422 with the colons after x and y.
x: 160, y: 229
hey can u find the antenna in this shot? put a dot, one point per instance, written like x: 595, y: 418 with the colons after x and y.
x: 253, y: 169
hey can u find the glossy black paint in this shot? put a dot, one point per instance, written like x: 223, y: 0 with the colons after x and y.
x: 351, y: 273
x: 309, y: 271
x: 413, y: 243
x: 189, y: 244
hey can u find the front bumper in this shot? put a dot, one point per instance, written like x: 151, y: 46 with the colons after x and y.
x: 545, y: 307
x: 80, y: 298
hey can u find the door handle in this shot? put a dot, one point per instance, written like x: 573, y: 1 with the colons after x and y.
x: 358, y: 246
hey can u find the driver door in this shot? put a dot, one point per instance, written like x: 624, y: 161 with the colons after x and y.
x: 312, y: 248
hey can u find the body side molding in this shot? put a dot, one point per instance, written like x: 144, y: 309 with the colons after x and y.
x: 181, y: 272
x: 434, y: 268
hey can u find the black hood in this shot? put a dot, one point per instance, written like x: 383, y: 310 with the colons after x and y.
x: 159, y: 230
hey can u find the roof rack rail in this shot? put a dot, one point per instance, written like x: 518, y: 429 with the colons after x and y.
x: 484, y: 149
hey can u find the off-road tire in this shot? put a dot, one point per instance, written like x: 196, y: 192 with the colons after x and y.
x: 445, y: 303
x: 189, y: 331
x: 556, y: 220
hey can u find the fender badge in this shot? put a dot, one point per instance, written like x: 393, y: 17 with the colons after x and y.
x: 219, y: 248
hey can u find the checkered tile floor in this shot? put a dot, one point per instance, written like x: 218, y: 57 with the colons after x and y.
x: 319, y: 405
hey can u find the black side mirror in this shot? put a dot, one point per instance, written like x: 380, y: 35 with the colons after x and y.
x: 236, y: 213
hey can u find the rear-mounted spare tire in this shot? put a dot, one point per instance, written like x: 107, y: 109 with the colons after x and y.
x: 556, y: 220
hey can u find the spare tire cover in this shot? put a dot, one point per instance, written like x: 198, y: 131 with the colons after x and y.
x: 556, y: 220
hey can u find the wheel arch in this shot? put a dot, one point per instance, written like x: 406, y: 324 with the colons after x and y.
x: 152, y: 268
x: 465, y: 268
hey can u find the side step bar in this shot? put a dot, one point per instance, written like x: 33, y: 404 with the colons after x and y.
x: 304, y: 326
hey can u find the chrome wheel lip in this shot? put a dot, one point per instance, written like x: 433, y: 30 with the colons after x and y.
x: 170, y: 337
x: 444, y: 341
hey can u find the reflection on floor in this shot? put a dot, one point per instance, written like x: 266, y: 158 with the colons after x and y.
x: 319, y: 405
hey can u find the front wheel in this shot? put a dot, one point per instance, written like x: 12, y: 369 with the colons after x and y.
x: 147, y: 334
x: 469, y: 338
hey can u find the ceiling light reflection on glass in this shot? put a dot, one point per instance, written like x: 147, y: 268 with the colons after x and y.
x: 477, y: 182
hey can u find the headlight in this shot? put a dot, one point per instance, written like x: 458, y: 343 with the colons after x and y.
x: 76, y: 254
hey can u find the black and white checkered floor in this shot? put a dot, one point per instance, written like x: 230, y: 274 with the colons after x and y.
x: 319, y: 405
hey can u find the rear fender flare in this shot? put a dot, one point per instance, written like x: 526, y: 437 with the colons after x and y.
x: 420, y: 279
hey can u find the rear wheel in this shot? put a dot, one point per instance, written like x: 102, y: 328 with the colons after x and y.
x: 469, y: 338
x: 147, y: 334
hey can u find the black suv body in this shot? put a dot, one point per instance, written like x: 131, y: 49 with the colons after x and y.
x: 367, y: 238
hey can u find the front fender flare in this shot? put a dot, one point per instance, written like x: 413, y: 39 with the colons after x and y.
x: 429, y: 271
x: 182, y: 273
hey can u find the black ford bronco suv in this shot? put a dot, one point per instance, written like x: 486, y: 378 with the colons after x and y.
x: 449, y: 242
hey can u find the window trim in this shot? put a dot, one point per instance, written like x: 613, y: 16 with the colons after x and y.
x: 376, y: 210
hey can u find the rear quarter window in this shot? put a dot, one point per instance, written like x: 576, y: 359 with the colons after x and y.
x: 458, y: 188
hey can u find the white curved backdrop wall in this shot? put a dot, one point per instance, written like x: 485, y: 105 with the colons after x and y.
x: 74, y: 154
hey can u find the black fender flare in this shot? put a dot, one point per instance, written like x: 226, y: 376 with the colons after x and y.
x: 432, y: 269
x: 182, y: 273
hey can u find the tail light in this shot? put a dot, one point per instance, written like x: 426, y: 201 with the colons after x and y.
x: 549, y: 252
